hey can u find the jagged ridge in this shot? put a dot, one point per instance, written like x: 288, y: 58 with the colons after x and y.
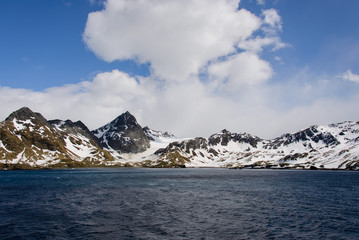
x: 334, y: 146
x: 27, y: 138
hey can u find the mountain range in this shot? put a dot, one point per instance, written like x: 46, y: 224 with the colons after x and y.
x: 28, y: 141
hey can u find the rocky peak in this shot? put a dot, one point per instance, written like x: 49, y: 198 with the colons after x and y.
x: 184, y: 146
x: 24, y: 114
x: 146, y: 129
x: 124, y: 121
x: 152, y: 134
x: 71, y: 127
x: 69, y: 124
x: 306, y: 136
x: 28, y: 140
x: 123, y: 134
x: 225, y: 136
x: 82, y: 126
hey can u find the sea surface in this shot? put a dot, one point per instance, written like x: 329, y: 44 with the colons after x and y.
x: 127, y: 203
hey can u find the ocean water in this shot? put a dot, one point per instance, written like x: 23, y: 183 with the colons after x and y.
x: 110, y: 203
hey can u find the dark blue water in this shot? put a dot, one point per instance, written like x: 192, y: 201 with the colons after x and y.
x: 179, y: 204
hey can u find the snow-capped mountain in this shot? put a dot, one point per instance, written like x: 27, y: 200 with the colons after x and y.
x: 28, y: 140
x: 154, y: 135
x: 123, y: 135
x: 335, y: 146
x: 129, y: 143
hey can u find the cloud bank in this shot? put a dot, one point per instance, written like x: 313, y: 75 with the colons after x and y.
x: 187, y: 109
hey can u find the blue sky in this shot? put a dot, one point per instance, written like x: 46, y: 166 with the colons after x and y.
x: 310, y: 64
x: 44, y: 39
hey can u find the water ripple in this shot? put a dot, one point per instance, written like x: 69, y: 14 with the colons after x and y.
x: 179, y: 204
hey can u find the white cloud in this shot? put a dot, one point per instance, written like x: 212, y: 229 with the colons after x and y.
x: 177, y: 37
x: 180, y: 108
x: 349, y: 76
x: 260, y: 2
x: 243, y: 68
x: 196, y: 36
x: 257, y: 44
x: 186, y: 109
x: 273, y: 20
x: 95, y: 102
x: 271, y: 26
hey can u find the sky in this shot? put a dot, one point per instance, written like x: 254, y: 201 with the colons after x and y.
x: 191, y: 67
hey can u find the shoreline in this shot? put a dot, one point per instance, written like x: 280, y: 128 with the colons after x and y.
x: 30, y: 168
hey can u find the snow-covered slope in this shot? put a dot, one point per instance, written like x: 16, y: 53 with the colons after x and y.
x: 335, y: 146
x: 28, y: 140
x: 158, y: 140
x: 154, y: 135
x: 80, y: 141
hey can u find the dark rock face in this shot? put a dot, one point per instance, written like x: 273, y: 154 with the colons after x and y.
x: 197, y: 143
x: 75, y: 128
x: 212, y: 151
x: 24, y: 114
x: 305, y: 136
x: 151, y: 134
x: 224, y: 137
x: 123, y: 134
x: 185, y: 146
x: 147, y: 131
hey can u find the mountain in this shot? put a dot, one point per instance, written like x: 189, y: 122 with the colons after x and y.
x: 123, y: 135
x: 335, y: 146
x: 154, y: 135
x: 28, y: 140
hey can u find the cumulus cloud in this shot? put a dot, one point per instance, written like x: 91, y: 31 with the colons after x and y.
x: 349, y: 76
x: 177, y: 37
x: 196, y: 37
x: 243, y: 68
